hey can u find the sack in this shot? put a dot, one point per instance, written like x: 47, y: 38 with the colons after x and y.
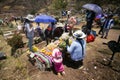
x: 90, y: 38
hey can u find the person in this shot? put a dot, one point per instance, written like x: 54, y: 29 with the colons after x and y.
x: 70, y: 27
x: 108, y: 24
x: 68, y: 14
x: 77, y: 49
x: 102, y: 20
x: 30, y: 35
x: 27, y: 22
x: 38, y: 30
x: 19, y: 27
x: 58, y: 61
x: 52, y: 27
x: 63, y: 12
x: 90, y: 16
x: 49, y: 32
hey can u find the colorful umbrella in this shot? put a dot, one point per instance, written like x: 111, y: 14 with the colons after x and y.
x: 93, y: 7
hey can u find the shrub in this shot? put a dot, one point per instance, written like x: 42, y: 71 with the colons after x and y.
x: 16, y: 41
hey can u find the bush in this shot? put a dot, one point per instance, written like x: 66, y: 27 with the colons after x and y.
x: 16, y: 41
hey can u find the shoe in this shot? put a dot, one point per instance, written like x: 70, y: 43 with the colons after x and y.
x: 59, y: 75
x: 96, y: 34
x: 101, y: 37
x: 105, y: 37
x: 63, y: 73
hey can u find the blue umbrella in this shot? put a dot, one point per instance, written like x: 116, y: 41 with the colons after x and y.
x: 44, y: 19
x: 93, y: 7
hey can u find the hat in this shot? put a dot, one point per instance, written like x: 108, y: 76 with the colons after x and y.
x: 30, y: 17
x: 57, y: 56
x: 79, y: 34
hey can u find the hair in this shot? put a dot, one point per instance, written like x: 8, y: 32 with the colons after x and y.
x: 27, y: 21
x: 78, y: 39
x: 110, y: 15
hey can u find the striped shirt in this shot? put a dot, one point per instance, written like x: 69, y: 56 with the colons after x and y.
x: 108, y: 23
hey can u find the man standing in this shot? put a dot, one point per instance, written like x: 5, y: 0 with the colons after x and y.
x: 108, y: 24
x: 90, y: 16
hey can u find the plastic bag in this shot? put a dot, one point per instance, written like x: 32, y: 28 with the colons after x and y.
x: 90, y: 38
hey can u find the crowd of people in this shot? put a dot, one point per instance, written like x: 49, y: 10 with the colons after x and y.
x: 77, y: 49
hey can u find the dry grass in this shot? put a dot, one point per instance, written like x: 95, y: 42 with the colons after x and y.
x: 12, y: 68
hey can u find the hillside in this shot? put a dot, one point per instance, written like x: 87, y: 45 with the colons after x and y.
x: 21, y: 7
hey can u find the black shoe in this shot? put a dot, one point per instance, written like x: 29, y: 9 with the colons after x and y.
x: 101, y: 36
x: 105, y: 37
x: 99, y: 33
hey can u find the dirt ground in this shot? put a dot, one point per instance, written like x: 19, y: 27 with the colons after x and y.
x: 95, y: 64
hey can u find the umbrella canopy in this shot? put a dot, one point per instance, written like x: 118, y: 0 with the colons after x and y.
x: 93, y: 7
x: 98, y: 16
x: 44, y: 19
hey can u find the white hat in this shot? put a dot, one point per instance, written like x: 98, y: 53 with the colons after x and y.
x: 57, y: 56
x: 79, y: 34
x: 30, y: 17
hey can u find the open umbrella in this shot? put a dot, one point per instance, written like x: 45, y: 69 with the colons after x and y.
x: 44, y: 18
x: 93, y: 7
x: 98, y: 16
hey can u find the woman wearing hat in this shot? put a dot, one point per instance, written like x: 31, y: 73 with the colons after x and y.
x: 29, y: 30
x: 30, y: 36
x: 77, y: 49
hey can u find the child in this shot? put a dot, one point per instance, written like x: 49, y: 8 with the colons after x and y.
x: 57, y: 60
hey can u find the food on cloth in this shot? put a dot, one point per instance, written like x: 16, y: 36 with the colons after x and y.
x: 35, y: 49
x: 51, y: 46
x: 71, y: 39
x: 48, y: 49
x: 62, y: 44
x: 64, y: 36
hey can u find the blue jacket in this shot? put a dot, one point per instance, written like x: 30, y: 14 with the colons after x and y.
x: 30, y: 31
x: 75, y: 50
